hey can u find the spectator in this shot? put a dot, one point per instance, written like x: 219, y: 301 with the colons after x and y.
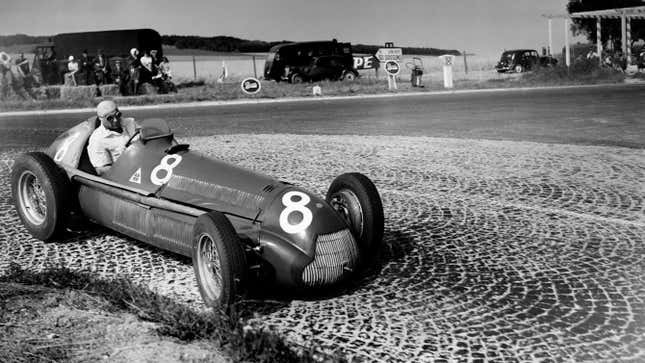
x: 72, y: 69
x: 24, y: 73
x: 101, y: 69
x: 86, y: 68
x: 164, y: 69
x: 147, y: 70
x: 134, y: 67
x: 121, y: 77
x: 6, y: 77
x: 155, y: 60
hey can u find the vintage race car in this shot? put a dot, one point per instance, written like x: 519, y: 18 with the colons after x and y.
x: 223, y: 216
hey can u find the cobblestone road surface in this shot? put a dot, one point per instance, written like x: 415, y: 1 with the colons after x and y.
x: 498, y: 250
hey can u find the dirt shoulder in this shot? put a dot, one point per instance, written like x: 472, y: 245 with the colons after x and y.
x: 46, y: 324
x: 201, y: 91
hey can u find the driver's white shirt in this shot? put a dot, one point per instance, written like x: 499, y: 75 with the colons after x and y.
x: 105, y: 146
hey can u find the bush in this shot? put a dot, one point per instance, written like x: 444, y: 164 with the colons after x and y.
x: 584, y: 70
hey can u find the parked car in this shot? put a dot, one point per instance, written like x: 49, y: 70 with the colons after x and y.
x: 162, y: 193
x: 310, y: 61
x: 521, y: 60
x: 321, y: 68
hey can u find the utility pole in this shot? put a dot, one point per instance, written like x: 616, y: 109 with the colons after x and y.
x: 466, y: 54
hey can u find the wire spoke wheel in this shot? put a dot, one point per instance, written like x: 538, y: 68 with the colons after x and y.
x: 33, y: 203
x: 348, y: 205
x: 210, y: 267
x: 42, y: 195
x: 218, y: 260
x: 357, y: 201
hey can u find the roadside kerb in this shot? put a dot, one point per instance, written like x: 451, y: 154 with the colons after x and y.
x: 309, y: 99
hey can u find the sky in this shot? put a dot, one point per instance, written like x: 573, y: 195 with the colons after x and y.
x: 477, y: 26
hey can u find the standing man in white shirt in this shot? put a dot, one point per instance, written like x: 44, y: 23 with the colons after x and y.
x: 108, y: 141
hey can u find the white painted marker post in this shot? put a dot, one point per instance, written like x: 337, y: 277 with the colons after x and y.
x: 448, y: 61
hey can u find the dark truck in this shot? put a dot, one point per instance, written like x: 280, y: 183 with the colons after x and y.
x: 310, y: 61
x: 51, y: 58
x: 521, y: 60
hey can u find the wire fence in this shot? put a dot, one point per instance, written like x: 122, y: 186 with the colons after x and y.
x: 210, y: 68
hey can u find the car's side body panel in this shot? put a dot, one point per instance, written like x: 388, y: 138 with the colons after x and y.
x: 68, y: 148
x: 156, y: 190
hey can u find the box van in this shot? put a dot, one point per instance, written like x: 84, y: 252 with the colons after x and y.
x: 310, y: 61
x: 51, y: 58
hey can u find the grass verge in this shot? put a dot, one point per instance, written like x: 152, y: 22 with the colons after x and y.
x: 194, y: 91
x: 85, y: 292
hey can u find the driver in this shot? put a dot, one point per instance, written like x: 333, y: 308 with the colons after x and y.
x: 108, y: 141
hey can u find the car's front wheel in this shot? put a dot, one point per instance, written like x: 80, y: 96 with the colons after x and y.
x: 519, y: 68
x: 356, y: 199
x: 218, y: 260
x: 296, y: 78
x: 41, y: 193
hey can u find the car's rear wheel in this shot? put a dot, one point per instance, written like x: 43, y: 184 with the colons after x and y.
x: 41, y: 193
x: 356, y: 199
x: 349, y: 76
x: 218, y: 260
x: 519, y: 68
x: 296, y: 78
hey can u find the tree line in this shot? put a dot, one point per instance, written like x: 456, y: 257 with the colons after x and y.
x: 224, y: 44
x: 232, y: 44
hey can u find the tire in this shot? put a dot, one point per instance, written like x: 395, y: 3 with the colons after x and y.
x: 41, y: 193
x: 214, y: 233
x: 296, y: 78
x: 355, y: 197
x: 518, y: 68
x: 349, y: 76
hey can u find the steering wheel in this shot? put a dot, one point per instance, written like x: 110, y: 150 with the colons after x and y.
x: 136, y: 132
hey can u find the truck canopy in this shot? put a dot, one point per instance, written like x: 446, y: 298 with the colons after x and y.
x: 114, y: 43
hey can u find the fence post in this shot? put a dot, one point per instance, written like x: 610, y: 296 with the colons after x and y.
x: 194, y: 69
x: 255, y: 71
x: 465, y: 62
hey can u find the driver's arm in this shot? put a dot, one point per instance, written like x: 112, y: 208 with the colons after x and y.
x: 99, y: 156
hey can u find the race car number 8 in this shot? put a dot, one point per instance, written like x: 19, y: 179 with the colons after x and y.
x: 165, y: 166
x: 299, y: 205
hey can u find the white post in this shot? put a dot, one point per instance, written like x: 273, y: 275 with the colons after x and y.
x: 550, y: 37
x: 628, y: 40
x: 567, y: 56
x: 623, y: 33
x: 448, y: 60
x: 599, y: 40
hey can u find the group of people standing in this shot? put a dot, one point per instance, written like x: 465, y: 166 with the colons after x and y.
x: 16, y: 79
x: 128, y: 74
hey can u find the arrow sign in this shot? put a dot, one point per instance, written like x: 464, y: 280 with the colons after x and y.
x: 386, y: 54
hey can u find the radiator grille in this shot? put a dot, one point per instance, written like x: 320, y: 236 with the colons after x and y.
x: 336, y: 256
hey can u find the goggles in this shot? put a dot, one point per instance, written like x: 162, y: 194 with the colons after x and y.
x: 114, y: 116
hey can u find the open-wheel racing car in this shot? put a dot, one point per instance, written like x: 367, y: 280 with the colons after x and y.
x: 223, y: 216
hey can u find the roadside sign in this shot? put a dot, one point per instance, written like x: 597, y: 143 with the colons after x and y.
x: 365, y: 62
x: 392, y: 68
x: 251, y: 86
x: 386, y: 54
